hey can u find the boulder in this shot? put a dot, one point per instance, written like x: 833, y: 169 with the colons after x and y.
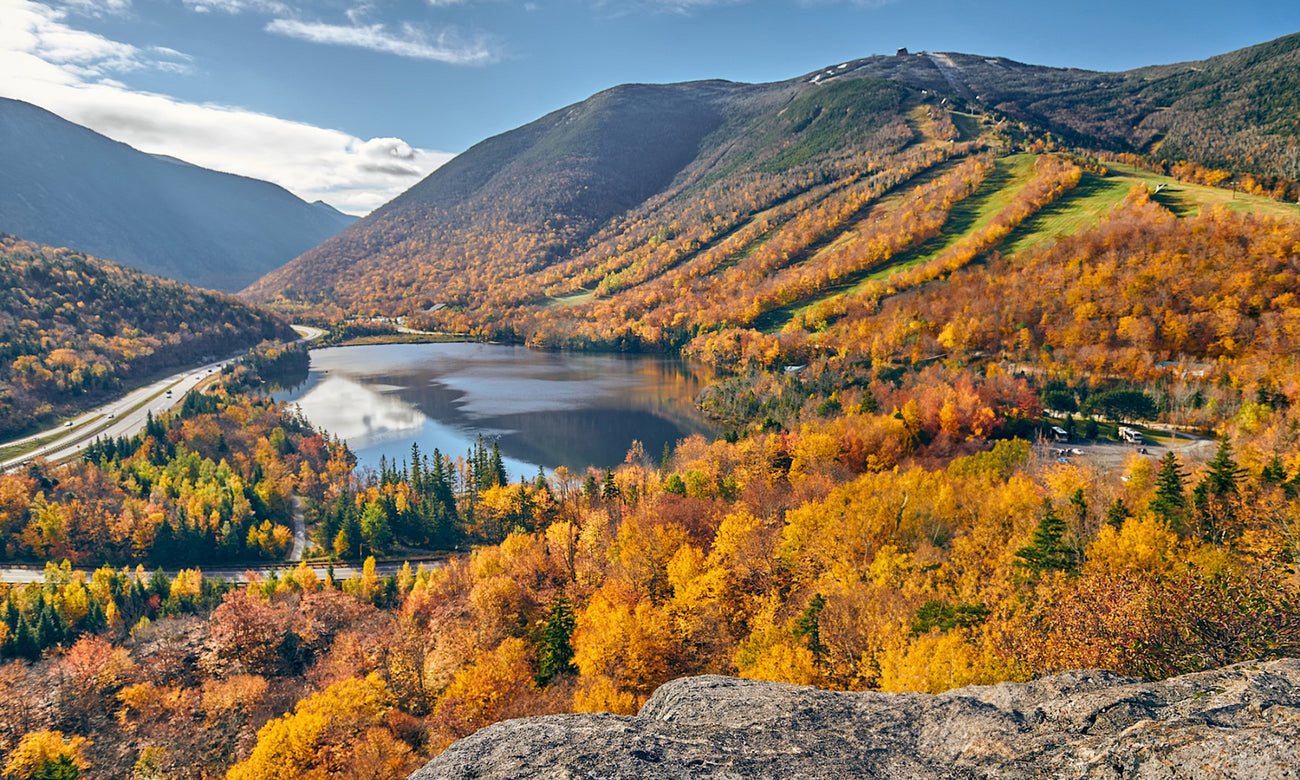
x: 1241, y: 721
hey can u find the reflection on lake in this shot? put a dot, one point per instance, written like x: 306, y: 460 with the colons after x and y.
x: 543, y: 408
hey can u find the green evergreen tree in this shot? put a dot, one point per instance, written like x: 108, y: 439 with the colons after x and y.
x: 497, y: 468
x: 1117, y: 513
x: 808, y: 626
x: 11, y: 615
x: 1170, y: 501
x: 1215, y: 496
x: 1079, y: 508
x: 347, y: 543
x: 57, y: 768
x: 609, y: 488
x: 24, y: 644
x: 417, y: 470
x: 1223, y: 473
x: 1274, y: 472
x: 1047, y: 550
x: 160, y: 584
x: 556, y: 654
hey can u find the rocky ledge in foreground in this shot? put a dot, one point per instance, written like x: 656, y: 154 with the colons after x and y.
x: 1242, y: 721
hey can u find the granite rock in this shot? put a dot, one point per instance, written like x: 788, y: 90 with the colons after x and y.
x: 1241, y: 721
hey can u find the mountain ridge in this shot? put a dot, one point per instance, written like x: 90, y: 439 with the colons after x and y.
x: 543, y: 194
x: 63, y: 184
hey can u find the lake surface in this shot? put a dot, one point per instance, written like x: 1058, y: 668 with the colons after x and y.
x: 543, y: 409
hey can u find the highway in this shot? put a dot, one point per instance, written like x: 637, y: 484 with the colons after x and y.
x: 124, y: 416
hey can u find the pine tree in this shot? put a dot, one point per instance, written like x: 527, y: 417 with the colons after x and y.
x: 1223, y: 473
x: 1047, y: 550
x: 417, y: 471
x: 609, y: 489
x: 375, y: 528
x: 1117, y: 513
x: 24, y: 644
x: 11, y: 615
x: 497, y: 474
x: 808, y: 626
x: 1215, y: 495
x: 556, y: 655
x: 49, y: 628
x: 1274, y: 472
x: 160, y: 584
x: 1079, y: 508
x: 1170, y: 501
x: 347, y: 543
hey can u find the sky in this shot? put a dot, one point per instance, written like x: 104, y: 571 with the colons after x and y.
x: 354, y: 101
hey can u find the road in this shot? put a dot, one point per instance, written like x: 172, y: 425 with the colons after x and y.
x: 125, y: 416
x: 342, y: 571
x: 299, y: 531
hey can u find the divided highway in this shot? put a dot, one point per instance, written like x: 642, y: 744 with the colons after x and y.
x: 125, y: 416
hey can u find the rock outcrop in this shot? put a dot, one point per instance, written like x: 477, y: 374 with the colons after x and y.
x: 1242, y: 721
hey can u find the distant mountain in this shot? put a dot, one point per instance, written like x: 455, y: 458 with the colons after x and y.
x: 63, y: 184
x: 538, y: 216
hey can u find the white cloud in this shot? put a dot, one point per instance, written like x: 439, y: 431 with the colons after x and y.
x: 408, y: 41
x: 77, y: 75
x: 96, y: 7
x: 236, y: 6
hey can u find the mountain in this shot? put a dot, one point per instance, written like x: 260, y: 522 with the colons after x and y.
x: 553, y: 211
x: 75, y: 329
x: 66, y: 185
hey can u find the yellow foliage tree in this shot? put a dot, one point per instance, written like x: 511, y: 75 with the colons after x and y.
x: 326, y: 735
x: 46, y: 754
x: 1140, y: 544
x: 627, y: 641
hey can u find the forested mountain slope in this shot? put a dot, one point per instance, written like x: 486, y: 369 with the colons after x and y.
x: 64, y: 185
x: 574, y: 206
x: 74, y: 328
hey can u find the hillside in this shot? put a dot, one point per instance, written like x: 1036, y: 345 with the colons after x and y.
x: 74, y: 329
x: 613, y: 195
x: 888, y: 517
x: 995, y: 404
x: 64, y: 185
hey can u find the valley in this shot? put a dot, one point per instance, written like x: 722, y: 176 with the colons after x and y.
x: 907, y: 374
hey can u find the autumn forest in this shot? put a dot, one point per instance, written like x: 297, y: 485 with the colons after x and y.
x: 935, y: 325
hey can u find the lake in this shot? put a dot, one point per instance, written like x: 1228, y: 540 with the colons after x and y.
x: 544, y: 409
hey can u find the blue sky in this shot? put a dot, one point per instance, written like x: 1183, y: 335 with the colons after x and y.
x: 352, y: 101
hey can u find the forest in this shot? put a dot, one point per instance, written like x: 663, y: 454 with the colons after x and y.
x: 882, y: 519
x: 898, y: 324
x: 75, y: 329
